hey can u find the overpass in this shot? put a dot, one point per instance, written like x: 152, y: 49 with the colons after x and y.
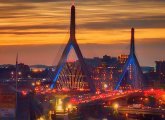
x: 103, y: 97
x: 141, y: 111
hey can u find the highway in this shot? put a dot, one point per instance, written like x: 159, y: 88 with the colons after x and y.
x: 87, y: 99
x: 152, y: 111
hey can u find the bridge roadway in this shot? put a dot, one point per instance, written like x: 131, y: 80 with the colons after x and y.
x: 103, y: 97
x: 151, y: 111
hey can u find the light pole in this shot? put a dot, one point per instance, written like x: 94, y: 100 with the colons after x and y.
x: 16, y: 86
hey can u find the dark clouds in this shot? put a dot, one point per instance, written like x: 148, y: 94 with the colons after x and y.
x: 145, y: 22
x: 26, y: 33
x: 27, y: 27
x: 97, y: 15
x: 34, y: 1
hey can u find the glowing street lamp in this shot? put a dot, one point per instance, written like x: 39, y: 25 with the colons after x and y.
x: 38, y: 83
x: 115, y: 106
x: 41, y: 118
x: 105, y: 86
x: 33, y: 84
x: 69, y: 106
x: 126, y: 115
x: 19, y: 73
x: 12, y: 73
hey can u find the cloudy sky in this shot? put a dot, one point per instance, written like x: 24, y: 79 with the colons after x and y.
x: 36, y: 29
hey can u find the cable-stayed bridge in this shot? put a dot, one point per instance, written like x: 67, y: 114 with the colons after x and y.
x: 71, y: 82
x: 73, y: 74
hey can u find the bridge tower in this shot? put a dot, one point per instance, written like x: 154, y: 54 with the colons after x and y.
x: 131, y: 68
x: 66, y: 74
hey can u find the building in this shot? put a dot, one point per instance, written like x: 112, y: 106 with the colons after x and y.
x: 93, y: 62
x: 122, y: 58
x: 39, y: 71
x: 9, y: 71
x: 160, y: 70
x: 160, y: 66
x: 38, y: 68
x: 103, y: 77
x: 101, y: 71
x: 108, y: 60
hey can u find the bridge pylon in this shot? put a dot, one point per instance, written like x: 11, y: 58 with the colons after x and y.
x: 76, y: 76
x: 133, y: 68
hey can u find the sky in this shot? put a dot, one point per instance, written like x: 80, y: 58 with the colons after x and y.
x: 39, y: 29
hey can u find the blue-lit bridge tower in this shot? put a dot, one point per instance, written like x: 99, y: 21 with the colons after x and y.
x: 132, y: 69
x: 72, y: 75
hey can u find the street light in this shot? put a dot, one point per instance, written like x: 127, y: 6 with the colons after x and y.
x: 41, y: 118
x: 105, y: 86
x: 33, y: 84
x: 19, y: 73
x: 38, y: 83
x: 69, y: 106
x: 115, y: 106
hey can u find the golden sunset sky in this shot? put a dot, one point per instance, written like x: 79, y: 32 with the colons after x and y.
x: 35, y: 28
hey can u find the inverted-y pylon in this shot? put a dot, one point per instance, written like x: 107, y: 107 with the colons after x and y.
x: 72, y: 43
x: 132, y: 67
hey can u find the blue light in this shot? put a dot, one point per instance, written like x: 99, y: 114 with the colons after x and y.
x: 129, y: 61
x: 56, y: 76
x: 60, y: 68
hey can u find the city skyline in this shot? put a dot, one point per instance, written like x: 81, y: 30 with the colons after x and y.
x: 63, y: 60
x: 33, y: 33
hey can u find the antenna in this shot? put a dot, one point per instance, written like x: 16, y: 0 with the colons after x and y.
x: 16, y: 82
x: 16, y: 70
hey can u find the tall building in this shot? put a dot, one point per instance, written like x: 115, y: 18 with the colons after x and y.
x: 93, y: 62
x: 160, y: 70
x: 103, y: 77
x: 108, y: 60
x: 122, y: 58
x: 160, y: 66
x: 102, y: 71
